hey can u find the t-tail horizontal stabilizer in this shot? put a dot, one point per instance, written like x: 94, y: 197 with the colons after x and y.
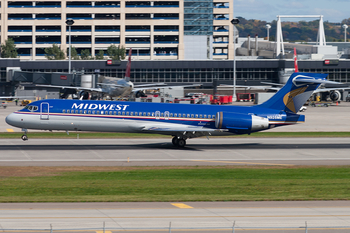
x: 292, y: 96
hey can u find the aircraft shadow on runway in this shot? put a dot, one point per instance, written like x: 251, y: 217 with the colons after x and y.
x: 194, y: 147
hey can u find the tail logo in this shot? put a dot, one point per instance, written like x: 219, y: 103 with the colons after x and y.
x: 288, y: 99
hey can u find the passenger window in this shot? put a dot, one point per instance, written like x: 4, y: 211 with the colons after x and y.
x: 132, y: 113
x: 144, y: 114
x: 136, y: 114
x: 175, y: 115
x: 171, y: 115
x: 67, y: 110
x: 188, y: 115
x: 127, y: 113
x: 123, y: 113
x: 85, y: 111
x: 119, y: 113
x: 148, y: 114
x: 192, y: 115
x: 81, y: 111
x: 89, y: 112
x: 64, y: 110
x: 196, y: 115
x: 205, y: 116
x: 153, y: 114
x: 200, y: 116
x: 162, y: 114
x: 93, y: 112
x: 98, y: 112
x: 114, y: 113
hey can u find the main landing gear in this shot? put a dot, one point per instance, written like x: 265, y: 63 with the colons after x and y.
x: 179, y: 142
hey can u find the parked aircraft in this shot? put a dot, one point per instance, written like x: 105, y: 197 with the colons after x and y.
x: 113, y: 87
x: 182, y: 121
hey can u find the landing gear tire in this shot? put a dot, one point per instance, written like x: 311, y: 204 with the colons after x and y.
x: 24, y: 137
x: 181, y: 143
x: 175, y: 141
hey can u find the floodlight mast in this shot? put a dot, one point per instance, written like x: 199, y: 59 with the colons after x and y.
x: 69, y: 22
x: 345, y: 27
x: 321, y: 38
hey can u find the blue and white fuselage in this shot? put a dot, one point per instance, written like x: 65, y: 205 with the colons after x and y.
x: 182, y: 121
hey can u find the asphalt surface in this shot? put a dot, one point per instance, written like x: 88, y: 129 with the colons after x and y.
x: 318, y: 216
x: 161, y: 152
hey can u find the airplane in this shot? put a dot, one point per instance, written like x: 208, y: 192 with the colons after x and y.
x: 181, y: 121
x: 113, y: 87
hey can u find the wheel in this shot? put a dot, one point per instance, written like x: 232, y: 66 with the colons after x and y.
x: 181, y: 142
x: 175, y: 141
x: 24, y: 137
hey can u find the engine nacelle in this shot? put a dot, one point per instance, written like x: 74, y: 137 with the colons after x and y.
x: 84, y: 94
x: 139, y: 94
x: 335, y: 96
x: 243, y: 122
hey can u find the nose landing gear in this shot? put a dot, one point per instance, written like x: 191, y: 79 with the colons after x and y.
x: 179, y: 142
x: 24, y: 136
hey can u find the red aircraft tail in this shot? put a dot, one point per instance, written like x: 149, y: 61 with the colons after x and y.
x: 128, y: 66
x: 295, y: 61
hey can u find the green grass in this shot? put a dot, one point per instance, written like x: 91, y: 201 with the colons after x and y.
x: 138, y: 135
x: 182, y: 184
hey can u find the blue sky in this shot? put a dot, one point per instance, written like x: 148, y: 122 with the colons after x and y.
x: 333, y: 11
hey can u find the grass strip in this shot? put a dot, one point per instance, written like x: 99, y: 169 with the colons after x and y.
x: 62, y: 135
x: 178, y: 184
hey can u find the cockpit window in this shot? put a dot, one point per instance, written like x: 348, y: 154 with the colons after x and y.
x: 31, y: 108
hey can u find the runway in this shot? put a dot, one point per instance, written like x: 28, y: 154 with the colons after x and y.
x: 267, y: 217
x: 161, y: 152
x: 332, y: 216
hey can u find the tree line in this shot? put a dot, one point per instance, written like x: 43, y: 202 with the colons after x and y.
x: 301, y: 31
x: 9, y: 50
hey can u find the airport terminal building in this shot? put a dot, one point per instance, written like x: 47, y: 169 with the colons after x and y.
x: 248, y: 72
x: 156, y: 30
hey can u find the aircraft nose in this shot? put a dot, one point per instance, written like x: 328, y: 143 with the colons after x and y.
x: 13, y: 119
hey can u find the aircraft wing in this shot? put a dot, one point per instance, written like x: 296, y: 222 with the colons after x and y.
x: 273, y: 84
x: 331, y: 89
x: 110, y: 84
x: 70, y: 87
x: 253, y: 87
x: 163, y: 87
x: 16, y: 97
x: 179, y: 129
x: 150, y: 84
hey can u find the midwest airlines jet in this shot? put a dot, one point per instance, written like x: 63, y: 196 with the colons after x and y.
x: 182, y: 121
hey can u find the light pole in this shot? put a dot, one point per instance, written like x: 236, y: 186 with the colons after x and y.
x: 345, y: 27
x: 268, y: 26
x: 234, y: 21
x: 69, y: 22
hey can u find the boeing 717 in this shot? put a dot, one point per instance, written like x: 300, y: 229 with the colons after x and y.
x: 181, y: 121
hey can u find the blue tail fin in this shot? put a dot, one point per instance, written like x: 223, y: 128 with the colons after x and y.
x: 292, y: 96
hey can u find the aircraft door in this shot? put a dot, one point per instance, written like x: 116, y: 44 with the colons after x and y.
x: 157, y: 115
x: 166, y: 115
x: 44, y: 111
